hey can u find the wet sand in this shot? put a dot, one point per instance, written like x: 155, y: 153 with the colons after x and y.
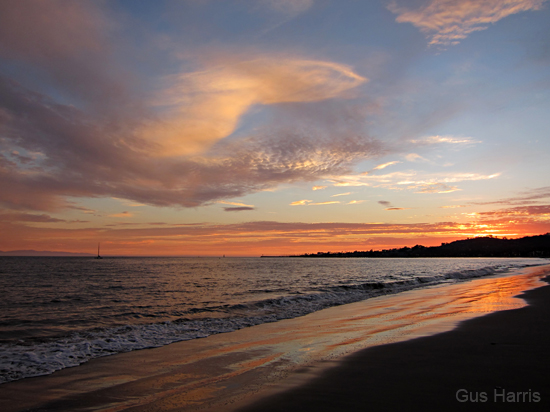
x: 498, y: 362
x: 319, y: 361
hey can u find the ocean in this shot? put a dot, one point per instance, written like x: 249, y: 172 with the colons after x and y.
x: 60, y: 312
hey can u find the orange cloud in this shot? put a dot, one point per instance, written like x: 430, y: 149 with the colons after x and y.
x: 205, y: 106
x: 447, y: 22
x: 300, y: 202
x: 324, y: 203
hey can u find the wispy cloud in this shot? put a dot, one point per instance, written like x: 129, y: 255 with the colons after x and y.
x: 330, y: 202
x: 384, y: 165
x: 311, y: 203
x: 341, y: 194
x: 318, y: 187
x: 528, y: 197
x: 447, y: 22
x: 436, y: 188
x: 224, y: 202
x: 414, y: 157
x: 445, y: 139
x: 411, y: 180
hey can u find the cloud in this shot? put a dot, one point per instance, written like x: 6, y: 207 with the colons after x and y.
x: 538, y: 212
x: 238, y: 209
x: 202, y: 107
x: 332, y: 202
x: 341, y: 194
x: 223, y: 202
x: 28, y: 217
x: 411, y: 180
x: 311, y: 203
x: 381, y: 166
x: 447, y: 22
x: 384, y: 165
x: 413, y: 157
x: 79, y: 120
x: 436, y: 188
x: 69, y: 47
x: 83, y: 153
x: 388, y: 206
x: 300, y: 202
x: 445, y: 139
x: 529, y: 197
x: 318, y: 187
x: 452, y: 206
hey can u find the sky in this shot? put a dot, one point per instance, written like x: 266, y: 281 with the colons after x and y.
x: 271, y: 127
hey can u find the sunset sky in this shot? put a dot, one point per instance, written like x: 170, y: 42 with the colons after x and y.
x: 250, y: 127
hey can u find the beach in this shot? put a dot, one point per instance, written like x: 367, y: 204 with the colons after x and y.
x: 395, y: 352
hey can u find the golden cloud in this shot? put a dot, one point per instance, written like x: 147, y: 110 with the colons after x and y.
x: 205, y: 106
x: 384, y: 165
x: 300, y: 202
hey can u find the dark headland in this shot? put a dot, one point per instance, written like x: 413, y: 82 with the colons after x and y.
x: 530, y: 246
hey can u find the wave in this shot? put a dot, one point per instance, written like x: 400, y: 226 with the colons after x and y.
x: 34, y: 358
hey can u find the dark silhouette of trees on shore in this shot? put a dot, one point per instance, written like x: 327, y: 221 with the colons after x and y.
x: 530, y: 246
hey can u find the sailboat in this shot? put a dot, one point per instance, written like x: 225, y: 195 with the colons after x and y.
x: 98, y: 257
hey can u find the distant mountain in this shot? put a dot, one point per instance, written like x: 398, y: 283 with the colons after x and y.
x: 531, y: 246
x: 41, y: 253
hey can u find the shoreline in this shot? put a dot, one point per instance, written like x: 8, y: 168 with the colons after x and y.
x: 499, y: 361
x: 226, y: 370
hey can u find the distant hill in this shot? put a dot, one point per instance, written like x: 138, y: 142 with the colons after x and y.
x: 41, y: 253
x: 531, y: 246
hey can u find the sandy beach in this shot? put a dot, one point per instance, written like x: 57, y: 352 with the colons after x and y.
x: 397, y: 352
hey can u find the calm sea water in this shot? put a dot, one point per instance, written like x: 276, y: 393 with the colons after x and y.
x: 60, y: 312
